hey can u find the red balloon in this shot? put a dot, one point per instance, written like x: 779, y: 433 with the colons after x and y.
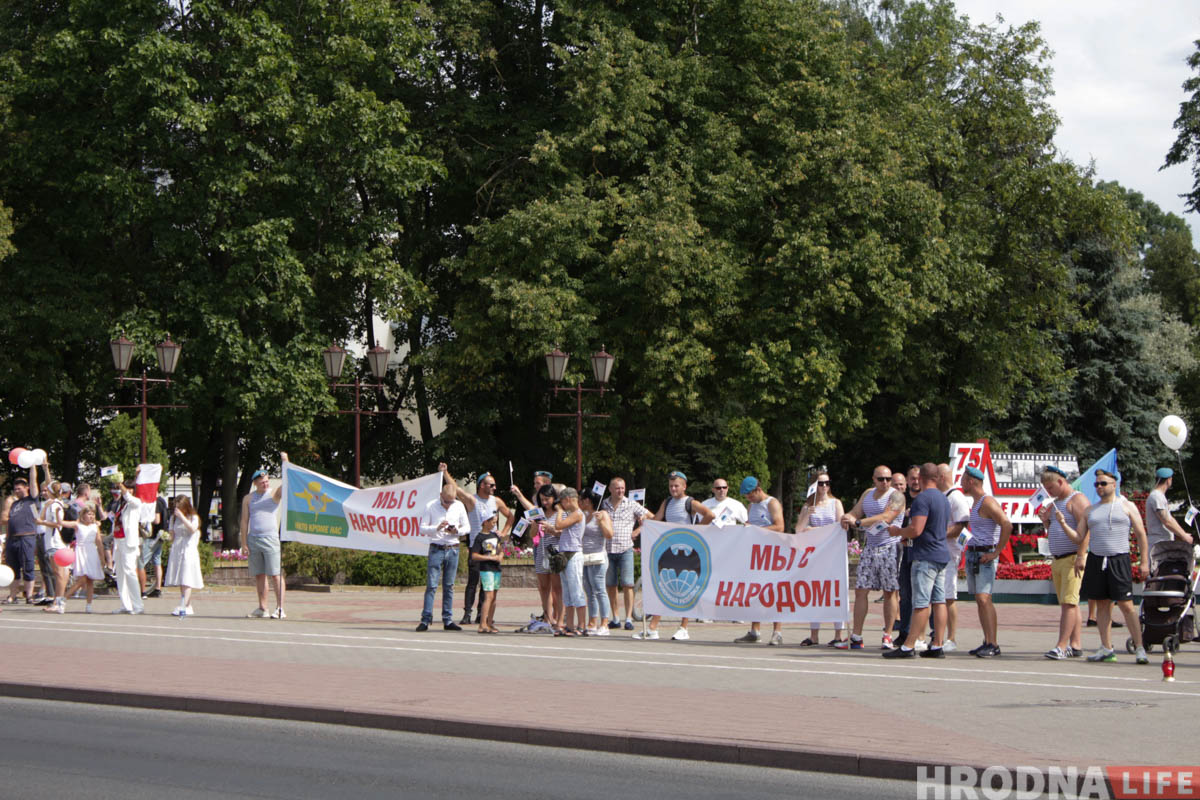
x: 64, y: 557
x: 14, y: 454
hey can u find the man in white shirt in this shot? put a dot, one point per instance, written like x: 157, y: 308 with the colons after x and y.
x: 444, y: 520
x: 960, y: 515
x: 126, y: 547
x: 726, y: 508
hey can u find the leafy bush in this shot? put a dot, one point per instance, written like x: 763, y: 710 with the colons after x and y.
x: 387, y: 569
x: 322, y: 564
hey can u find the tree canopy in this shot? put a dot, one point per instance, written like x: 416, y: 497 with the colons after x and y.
x: 809, y: 232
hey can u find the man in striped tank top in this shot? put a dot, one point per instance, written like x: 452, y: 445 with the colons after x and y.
x: 990, y: 529
x: 879, y: 564
x: 481, y: 506
x: 1108, y: 573
x: 1059, y: 517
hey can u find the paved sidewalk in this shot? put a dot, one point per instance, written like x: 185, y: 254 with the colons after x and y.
x: 353, y: 657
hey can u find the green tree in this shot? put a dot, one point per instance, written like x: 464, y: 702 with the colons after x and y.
x: 978, y: 133
x: 1186, y: 148
x: 120, y: 445
x: 744, y: 453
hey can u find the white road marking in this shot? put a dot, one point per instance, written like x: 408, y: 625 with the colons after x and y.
x: 567, y: 655
x: 646, y: 649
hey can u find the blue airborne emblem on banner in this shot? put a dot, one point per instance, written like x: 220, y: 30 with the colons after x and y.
x: 680, y: 568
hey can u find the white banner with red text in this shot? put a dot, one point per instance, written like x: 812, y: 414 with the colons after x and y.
x: 319, y: 510
x: 744, y: 573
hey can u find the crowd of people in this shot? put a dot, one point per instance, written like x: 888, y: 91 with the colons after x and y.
x: 52, y: 528
x: 916, y: 527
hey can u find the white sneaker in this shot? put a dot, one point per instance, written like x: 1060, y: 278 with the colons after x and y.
x: 87, y: 609
x: 278, y: 613
x: 602, y: 631
x: 61, y: 608
x: 179, y: 612
x: 680, y: 635
x: 257, y: 613
x: 776, y: 639
x: 646, y: 635
x: 921, y: 645
x: 121, y: 610
x: 949, y: 646
x: 592, y: 632
x: 1140, y: 656
x: 190, y: 611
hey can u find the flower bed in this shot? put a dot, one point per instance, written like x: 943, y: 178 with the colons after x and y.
x: 1029, y: 571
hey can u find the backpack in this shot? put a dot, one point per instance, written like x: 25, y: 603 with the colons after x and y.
x: 70, y: 514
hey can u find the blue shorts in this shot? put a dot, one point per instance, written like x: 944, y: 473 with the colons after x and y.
x: 980, y: 577
x: 928, y: 584
x: 151, y: 552
x: 20, y: 553
x: 620, y: 569
x: 489, y: 581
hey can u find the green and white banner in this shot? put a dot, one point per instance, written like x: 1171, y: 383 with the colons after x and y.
x: 320, y: 510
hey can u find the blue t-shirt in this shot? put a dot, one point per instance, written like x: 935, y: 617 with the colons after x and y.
x: 931, y: 544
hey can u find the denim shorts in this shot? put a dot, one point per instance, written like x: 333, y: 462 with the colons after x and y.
x: 489, y: 580
x: 928, y: 584
x: 620, y: 569
x: 264, y: 555
x: 151, y: 552
x: 980, y: 583
x: 572, y: 582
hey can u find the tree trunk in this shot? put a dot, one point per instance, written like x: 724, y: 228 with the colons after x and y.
x: 231, y: 511
x: 75, y: 424
x: 210, y: 470
x: 418, y: 383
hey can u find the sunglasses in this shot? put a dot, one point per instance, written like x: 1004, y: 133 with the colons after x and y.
x: 822, y: 483
x: 720, y: 488
x: 879, y: 479
x: 1099, y: 484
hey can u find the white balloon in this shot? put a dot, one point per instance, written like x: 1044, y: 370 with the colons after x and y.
x: 6, y: 575
x: 26, y: 460
x: 40, y: 457
x: 1173, y: 431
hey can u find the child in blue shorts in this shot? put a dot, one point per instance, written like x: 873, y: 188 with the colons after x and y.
x: 487, y: 552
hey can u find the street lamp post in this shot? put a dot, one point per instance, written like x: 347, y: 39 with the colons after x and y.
x: 168, y: 359
x: 556, y: 366
x: 335, y: 359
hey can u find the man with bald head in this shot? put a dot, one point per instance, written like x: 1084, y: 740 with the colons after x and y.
x: 878, y: 566
x: 960, y: 514
x: 927, y: 525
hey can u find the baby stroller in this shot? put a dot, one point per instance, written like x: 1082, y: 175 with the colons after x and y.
x: 1168, y: 613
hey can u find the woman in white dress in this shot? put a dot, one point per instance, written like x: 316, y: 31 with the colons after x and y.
x: 89, y: 554
x: 183, y: 570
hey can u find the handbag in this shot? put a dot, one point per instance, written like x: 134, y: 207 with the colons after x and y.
x: 557, y: 561
x: 595, y: 559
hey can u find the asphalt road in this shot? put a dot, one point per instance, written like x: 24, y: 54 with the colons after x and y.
x: 50, y: 749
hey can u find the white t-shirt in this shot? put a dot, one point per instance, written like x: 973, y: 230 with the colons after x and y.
x: 733, y: 508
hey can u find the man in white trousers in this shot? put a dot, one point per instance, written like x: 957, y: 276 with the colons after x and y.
x: 126, y: 545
